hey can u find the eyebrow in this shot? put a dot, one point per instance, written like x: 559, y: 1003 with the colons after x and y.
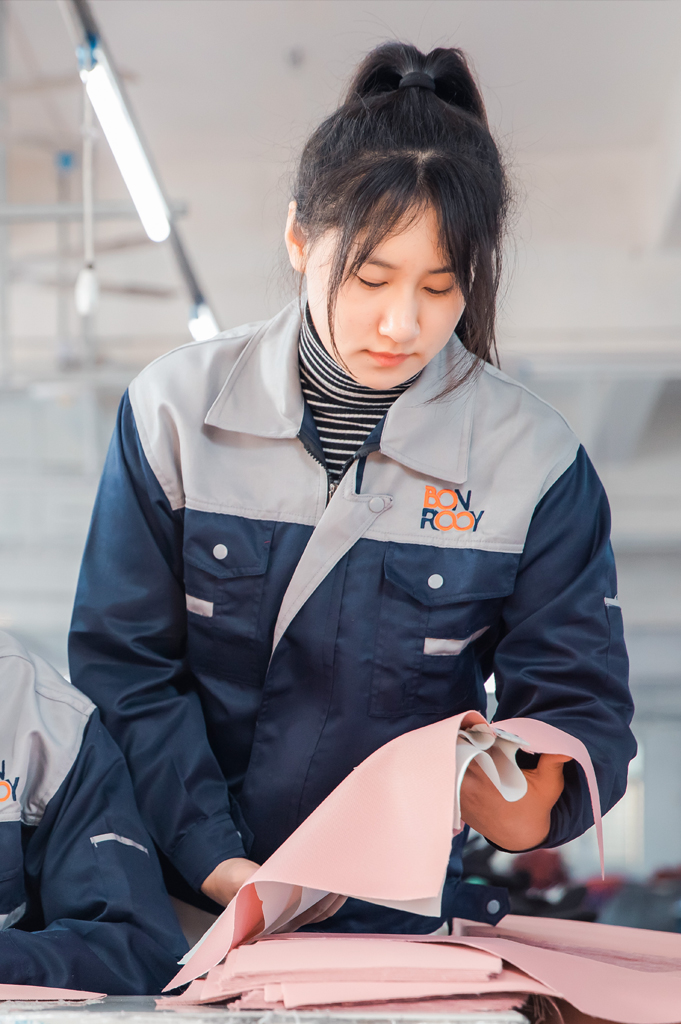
x: 391, y: 266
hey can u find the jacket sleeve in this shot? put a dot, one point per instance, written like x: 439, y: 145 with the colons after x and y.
x: 106, y: 924
x: 562, y: 657
x: 127, y: 653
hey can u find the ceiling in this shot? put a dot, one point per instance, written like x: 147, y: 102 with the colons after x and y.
x: 252, y: 75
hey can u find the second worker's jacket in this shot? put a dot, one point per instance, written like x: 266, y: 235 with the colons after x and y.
x: 249, y: 641
x: 82, y: 900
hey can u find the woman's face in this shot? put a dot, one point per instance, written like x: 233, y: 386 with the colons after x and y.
x: 395, y: 313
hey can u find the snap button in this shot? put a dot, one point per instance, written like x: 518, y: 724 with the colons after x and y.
x: 435, y: 581
x: 493, y: 907
x: 220, y: 551
x: 377, y: 504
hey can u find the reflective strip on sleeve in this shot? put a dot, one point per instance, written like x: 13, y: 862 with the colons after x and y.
x: 108, y: 837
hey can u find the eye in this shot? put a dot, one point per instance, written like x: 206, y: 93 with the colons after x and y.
x: 370, y: 284
x: 444, y: 291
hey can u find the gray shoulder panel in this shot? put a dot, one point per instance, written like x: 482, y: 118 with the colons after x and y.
x: 550, y: 441
x: 41, y: 731
x: 171, y: 397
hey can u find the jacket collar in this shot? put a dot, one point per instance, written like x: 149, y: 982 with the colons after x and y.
x: 426, y: 436
x: 268, y: 401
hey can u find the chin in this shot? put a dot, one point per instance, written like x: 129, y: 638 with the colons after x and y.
x: 382, y: 378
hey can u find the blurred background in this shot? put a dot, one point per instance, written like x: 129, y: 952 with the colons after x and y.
x: 585, y: 98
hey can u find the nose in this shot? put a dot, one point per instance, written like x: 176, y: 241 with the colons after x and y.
x: 399, y: 322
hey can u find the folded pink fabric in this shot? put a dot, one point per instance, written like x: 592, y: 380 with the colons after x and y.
x: 384, y: 834
x: 37, y: 992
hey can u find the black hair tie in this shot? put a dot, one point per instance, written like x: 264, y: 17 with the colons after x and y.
x: 417, y: 80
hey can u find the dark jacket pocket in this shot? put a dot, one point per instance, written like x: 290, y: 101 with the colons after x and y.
x: 438, y: 608
x: 225, y: 562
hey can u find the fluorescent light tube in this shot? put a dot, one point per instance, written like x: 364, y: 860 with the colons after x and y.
x: 127, y: 150
x: 202, y: 325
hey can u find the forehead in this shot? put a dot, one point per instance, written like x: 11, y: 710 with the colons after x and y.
x: 414, y: 242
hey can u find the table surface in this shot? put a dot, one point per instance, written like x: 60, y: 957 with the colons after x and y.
x: 143, y: 1010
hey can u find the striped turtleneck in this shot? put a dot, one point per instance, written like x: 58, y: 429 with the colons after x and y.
x: 345, y: 412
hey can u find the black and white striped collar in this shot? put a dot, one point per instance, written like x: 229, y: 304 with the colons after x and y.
x: 262, y: 396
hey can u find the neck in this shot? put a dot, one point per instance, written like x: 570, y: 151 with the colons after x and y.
x: 345, y: 411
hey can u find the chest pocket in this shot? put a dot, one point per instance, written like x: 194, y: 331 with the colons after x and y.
x: 436, y: 606
x: 12, y: 892
x: 225, y: 563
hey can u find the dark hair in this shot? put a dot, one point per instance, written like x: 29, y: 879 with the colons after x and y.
x: 388, y: 153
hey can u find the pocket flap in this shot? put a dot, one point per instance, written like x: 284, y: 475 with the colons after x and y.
x: 226, y: 546
x: 438, y: 576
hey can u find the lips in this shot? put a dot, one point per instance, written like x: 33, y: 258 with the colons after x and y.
x: 388, y: 359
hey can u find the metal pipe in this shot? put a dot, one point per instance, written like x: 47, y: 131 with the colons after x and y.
x: 79, y: 13
x: 5, y: 340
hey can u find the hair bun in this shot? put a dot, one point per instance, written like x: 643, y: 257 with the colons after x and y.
x: 393, y: 67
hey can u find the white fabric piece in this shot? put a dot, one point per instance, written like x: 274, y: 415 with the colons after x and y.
x: 495, y: 751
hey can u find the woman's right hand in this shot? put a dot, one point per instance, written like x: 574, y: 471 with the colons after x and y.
x: 224, y: 882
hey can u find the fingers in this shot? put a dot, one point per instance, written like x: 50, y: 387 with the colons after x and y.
x: 331, y: 910
x: 320, y: 911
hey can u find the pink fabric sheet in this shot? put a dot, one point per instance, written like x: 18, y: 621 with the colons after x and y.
x: 28, y: 993
x: 384, y: 834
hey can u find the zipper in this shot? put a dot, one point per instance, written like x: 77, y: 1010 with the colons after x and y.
x: 318, y: 456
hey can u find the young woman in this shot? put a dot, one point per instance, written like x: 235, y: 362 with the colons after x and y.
x: 316, y: 533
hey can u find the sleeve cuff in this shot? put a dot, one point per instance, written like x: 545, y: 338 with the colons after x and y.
x: 207, y: 844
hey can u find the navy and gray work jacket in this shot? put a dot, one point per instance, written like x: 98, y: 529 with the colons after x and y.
x: 250, y: 641
x: 82, y: 901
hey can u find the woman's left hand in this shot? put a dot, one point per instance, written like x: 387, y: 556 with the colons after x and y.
x: 513, y: 826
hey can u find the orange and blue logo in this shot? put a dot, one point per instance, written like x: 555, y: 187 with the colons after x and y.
x: 449, y: 510
x: 7, y: 788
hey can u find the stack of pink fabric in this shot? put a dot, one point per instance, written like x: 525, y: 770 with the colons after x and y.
x: 588, y: 972
x: 363, y: 973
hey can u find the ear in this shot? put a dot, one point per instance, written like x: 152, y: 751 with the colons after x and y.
x: 295, y: 240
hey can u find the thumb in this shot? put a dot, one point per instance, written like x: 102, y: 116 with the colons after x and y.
x: 548, y: 761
